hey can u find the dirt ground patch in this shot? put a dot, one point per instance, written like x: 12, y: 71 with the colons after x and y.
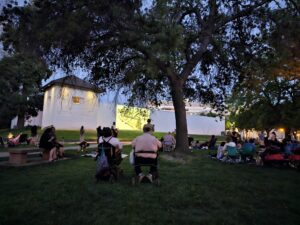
x: 182, y: 158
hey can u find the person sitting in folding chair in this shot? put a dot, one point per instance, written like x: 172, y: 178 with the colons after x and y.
x: 168, y: 142
x: 145, y: 149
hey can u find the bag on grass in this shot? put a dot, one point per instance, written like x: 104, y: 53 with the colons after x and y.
x: 131, y: 157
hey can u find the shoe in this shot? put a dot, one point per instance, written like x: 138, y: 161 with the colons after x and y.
x: 150, y: 177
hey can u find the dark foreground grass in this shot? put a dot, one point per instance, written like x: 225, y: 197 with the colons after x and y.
x: 198, y: 191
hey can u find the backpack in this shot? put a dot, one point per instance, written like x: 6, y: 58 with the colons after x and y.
x: 108, y: 149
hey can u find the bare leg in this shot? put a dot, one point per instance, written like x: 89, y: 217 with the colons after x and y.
x: 52, y: 154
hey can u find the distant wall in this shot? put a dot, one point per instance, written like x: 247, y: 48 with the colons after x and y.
x: 35, y: 121
x: 164, y: 121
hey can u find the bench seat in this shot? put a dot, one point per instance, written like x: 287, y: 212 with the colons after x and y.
x: 19, y: 156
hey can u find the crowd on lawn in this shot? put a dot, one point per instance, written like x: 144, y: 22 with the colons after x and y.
x: 146, y: 147
x: 263, y: 149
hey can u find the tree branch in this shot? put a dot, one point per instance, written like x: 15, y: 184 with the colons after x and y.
x: 242, y: 13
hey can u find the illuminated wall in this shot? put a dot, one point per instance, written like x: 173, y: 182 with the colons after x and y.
x: 70, y: 108
x: 131, y: 118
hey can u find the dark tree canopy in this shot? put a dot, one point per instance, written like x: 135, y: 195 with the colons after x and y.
x: 269, y: 96
x: 20, y: 93
x: 175, y: 49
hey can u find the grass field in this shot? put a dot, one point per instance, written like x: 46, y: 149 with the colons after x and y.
x: 90, y: 135
x: 194, y: 190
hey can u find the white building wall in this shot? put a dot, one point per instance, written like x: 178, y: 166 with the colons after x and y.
x: 13, y: 123
x: 61, y: 111
x: 34, y: 121
x: 106, y: 114
x: 164, y: 121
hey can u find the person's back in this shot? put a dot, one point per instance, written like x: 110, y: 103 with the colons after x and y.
x: 107, y: 141
x: 169, y: 139
x: 146, y: 142
x: 149, y: 143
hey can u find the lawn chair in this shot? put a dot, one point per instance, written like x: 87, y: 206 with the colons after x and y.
x: 233, y: 155
x: 168, y: 146
x: 155, y: 177
x: 247, y: 153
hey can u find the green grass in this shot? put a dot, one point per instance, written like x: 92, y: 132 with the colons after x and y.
x: 200, y: 191
x: 91, y: 135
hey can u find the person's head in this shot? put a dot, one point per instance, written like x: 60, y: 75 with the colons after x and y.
x: 114, y: 123
x: 274, y: 133
x: 81, y: 128
x: 107, y: 132
x: 222, y: 143
x: 148, y: 120
x: 228, y: 139
x: 146, y: 129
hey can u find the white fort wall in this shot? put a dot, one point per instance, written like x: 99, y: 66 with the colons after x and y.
x: 69, y: 108
x: 164, y: 121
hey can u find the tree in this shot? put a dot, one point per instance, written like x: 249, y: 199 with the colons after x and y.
x: 20, y: 93
x: 175, y: 49
x: 270, y: 96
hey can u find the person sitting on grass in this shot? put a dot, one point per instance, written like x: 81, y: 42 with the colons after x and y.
x: 220, y: 152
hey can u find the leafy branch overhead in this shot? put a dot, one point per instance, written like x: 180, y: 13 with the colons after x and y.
x: 181, y: 50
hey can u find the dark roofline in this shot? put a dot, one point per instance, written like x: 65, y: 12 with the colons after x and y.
x: 73, y: 81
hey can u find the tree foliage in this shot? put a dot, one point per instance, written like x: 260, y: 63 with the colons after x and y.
x: 175, y: 49
x: 270, y: 95
x: 20, y: 82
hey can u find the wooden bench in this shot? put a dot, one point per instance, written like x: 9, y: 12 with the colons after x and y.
x: 19, y: 156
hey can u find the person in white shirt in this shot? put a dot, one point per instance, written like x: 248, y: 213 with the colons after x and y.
x: 108, y: 137
x: 229, y: 142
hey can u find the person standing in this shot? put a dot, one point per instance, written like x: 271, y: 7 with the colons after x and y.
x: 150, y: 125
x: 99, y: 133
x: 81, y: 134
x: 114, y: 130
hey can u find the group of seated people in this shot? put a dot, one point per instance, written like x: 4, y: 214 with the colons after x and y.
x: 246, y: 150
x: 233, y: 148
x: 21, y: 138
x: 210, y: 144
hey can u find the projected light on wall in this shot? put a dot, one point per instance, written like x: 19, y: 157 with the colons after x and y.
x: 131, y: 118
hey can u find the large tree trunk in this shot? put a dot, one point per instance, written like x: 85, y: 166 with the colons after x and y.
x: 20, y: 123
x: 180, y: 116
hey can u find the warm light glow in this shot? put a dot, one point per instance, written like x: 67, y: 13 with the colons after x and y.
x: 90, y: 95
x: 10, y: 135
x: 65, y: 92
x: 281, y: 129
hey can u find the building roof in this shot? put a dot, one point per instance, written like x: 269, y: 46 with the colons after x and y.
x: 73, y: 81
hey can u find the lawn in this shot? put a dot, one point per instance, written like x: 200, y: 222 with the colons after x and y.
x: 91, y: 135
x: 194, y: 190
